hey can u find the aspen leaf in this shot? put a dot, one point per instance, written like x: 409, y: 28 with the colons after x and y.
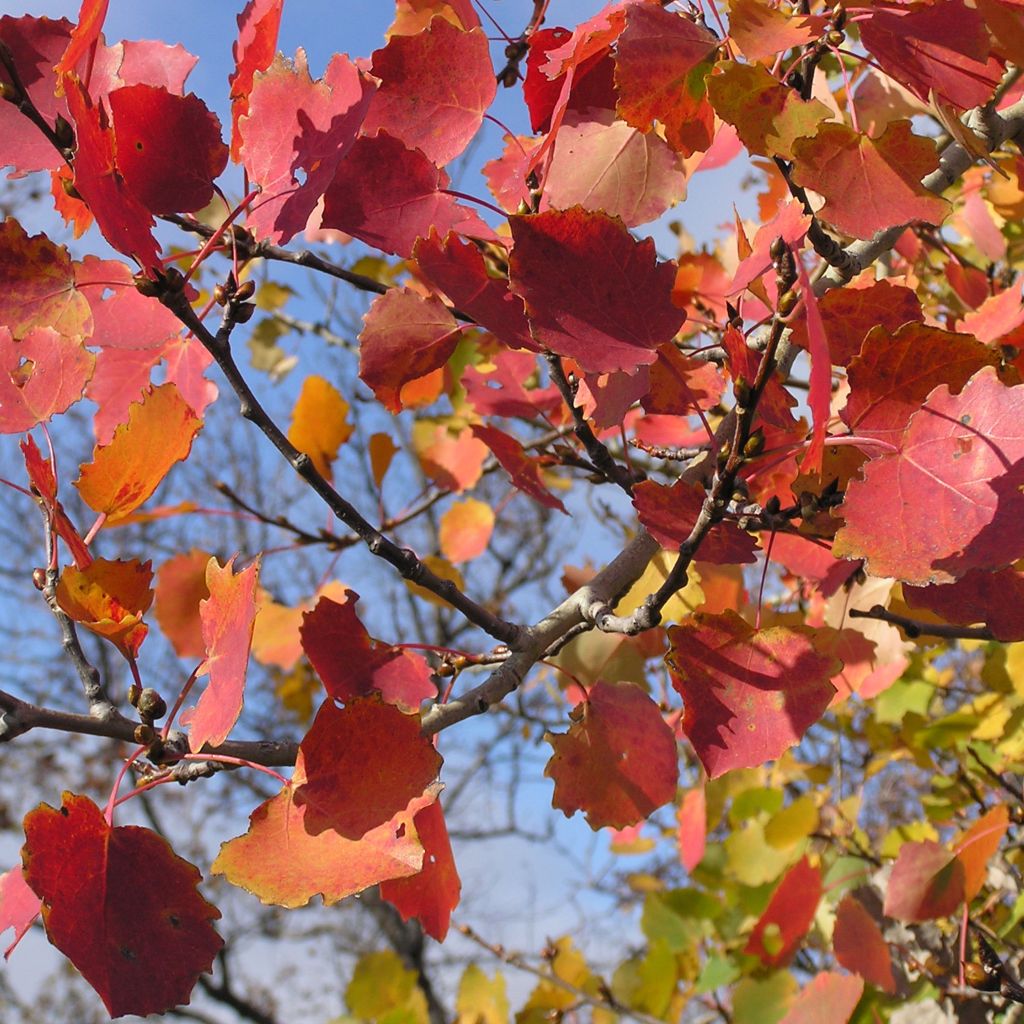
x: 320, y: 423
x: 860, y: 947
x: 791, y: 911
x: 180, y: 587
x: 141, y: 946
x: 227, y: 617
x: 124, y: 473
x: 465, y: 530
x: 253, y: 51
x: 19, y: 906
x: 618, y: 761
x: 927, y: 882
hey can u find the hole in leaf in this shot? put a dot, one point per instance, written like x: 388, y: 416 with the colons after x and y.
x: 22, y: 373
x: 127, y: 953
x: 64, y: 811
x: 173, y: 920
x: 139, y: 147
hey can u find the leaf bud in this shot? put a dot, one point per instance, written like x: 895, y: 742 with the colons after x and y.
x: 39, y: 578
x: 150, y: 704
x: 778, y: 249
x: 754, y: 444
x: 741, y: 388
x: 245, y: 290
x: 133, y: 694
x: 772, y: 505
x: 220, y: 294
x: 243, y: 313
x: 835, y: 38
x: 978, y: 976
x: 174, y: 280
x: 64, y: 132
x: 8, y: 92
x: 144, y: 734
x: 787, y: 303
x: 146, y: 285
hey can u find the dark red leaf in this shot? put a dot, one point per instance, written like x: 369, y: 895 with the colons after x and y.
x: 351, y: 664
x: 523, y: 470
x: 995, y: 599
x: 168, y: 148
x: 669, y: 513
x: 748, y: 695
x: 140, y: 945
x: 618, y: 761
x: 364, y: 763
x: 570, y: 268
x: 859, y: 945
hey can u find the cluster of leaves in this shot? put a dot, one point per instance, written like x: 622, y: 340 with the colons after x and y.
x: 552, y: 345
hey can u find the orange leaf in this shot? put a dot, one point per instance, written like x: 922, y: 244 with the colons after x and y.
x: 319, y: 425
x: 789, y: 914
x: 180, y: 586
x: 124, y: 473
x: 466, y: 529
x: 109, y: 598
x: 283, y: 862
x: 227, y: 616
x: 978, y: 845
x: 860, y: 947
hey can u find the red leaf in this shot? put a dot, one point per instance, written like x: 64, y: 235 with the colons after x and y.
x: 693, y: 828
x: 351, y: 664
x: 870, y: 184
x: 121, y: 377
x: 40, y: 473
x: 363, y: 763
x: 941, y: 46
x: 109, y: 598
x: 618, y: 762
x: 849, y: 313
x: 679, y: 384
x: 670, y: 513
x: 19, y: 906
x: 227, y: 617
x: 659, y: 72
x: 257, y: 40
x: 405, y: 336
x: 827, y: 997
x: 388, y: 196
x: 125, y: 222
x: 149, y: 124
x: 523, y: 470
x: 124, y: 473
x: 140, y: 945
x: 927, y: 881
x: 180, y: 587
x: 602, y: 164
x: 296, y: 124
x: 41, y: 375
x: 37, y: 285
x: 790, y: 223
x: 978, y: 846
x: 819, y: 397
x: 35, y: 45
x: 282, y: 862
x: 748, y: 695
x: 949, y: 500
x: 433, y: 894
x: 569, y: 267
x: 457, y: 268
x: 787, y: 917
x: 860, y: 947
x: 498, y: 390
x: 993, y: 598
x: 435, y: 87
x: 895, y: 373
x: 591, y: 86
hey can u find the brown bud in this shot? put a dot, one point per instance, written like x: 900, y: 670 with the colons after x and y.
x: 150, y: 704
x: 220, y: 295
x: 245, y: 290
x: 39, y: 578
x: 835, y: 38
x: 754, y: 444
x: 144, y: 734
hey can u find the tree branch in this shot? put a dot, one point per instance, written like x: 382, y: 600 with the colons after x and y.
x: 915, y: 628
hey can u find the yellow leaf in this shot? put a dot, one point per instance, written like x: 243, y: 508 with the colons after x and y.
x: 466, y: 530
x: 319, y: 423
